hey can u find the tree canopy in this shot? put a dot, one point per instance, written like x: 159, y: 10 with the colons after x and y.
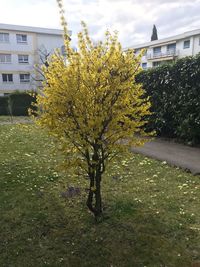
x: 154, y: 35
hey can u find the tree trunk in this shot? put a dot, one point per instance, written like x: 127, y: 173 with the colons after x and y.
x: 95, y: 190
x: 98, y: 204
x: 91, y: 194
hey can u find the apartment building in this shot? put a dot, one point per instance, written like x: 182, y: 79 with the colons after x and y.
x: 21, y: 47
x: 169, y: 49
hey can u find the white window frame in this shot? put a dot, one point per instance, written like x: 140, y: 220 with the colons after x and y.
x: 7, y: 79
x: 186, y: 47
x: 23, y: 60
x: 144, y: 63
x: 5, y: 58
x: 156, y: 64
x: 26, y: 78
x: 157, y: 53
x: 4, y: 37
x: 20, y: 40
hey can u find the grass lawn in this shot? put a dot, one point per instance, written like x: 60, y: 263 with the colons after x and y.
x: 153, y: 210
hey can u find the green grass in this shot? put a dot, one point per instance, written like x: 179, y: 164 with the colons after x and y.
x: 152, y: 210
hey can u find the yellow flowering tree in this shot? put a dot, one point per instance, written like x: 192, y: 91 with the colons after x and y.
x: 92, y: 105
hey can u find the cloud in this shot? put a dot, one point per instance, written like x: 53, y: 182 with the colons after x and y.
x: 132, y: 18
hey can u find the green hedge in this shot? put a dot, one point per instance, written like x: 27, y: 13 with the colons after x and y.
x: 174, y: 91
x: 3, y: 105
x: 16, y: 104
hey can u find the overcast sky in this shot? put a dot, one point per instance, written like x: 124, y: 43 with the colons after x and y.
x: 133, y: 19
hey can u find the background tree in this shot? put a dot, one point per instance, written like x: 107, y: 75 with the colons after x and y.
x: 93, y: 106
x: 154, y: 35
x: 38, y: 76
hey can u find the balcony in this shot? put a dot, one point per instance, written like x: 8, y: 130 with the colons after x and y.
x: 169, y: 54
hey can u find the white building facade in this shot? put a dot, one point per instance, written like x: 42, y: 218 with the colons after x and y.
x: 169, y: 49
x: 20, y: 50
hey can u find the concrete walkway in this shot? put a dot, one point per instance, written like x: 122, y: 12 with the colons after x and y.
x: 175, y: 154
x: 21, y: 119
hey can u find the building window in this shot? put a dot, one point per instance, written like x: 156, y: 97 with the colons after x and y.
x: 23, y: 59
x: 137, y: 51
x: 24, y: 78
x: 171, y: 48
x: 186, y: 44
x: 4, y: 37
x: 63, y: 50
x: 7, y: 77
x: 157, y: 51
x: 144, y: 65
x: 21, y: 38
x: 156, y: 63
x: 5, y: 58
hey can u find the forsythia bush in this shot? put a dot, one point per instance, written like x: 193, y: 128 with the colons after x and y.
x: 91, y: 104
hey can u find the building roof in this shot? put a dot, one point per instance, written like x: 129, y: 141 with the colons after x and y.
x: 166, y: 40
x: 20, y: 28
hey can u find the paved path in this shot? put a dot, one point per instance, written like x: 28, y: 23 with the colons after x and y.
x: 175, y: 154
x: 15, y: 120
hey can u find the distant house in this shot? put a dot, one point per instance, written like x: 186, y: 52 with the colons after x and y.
x: 21, y: 48
x: 169, y: 49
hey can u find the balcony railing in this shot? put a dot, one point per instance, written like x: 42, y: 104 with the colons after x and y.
x: 168, y: 53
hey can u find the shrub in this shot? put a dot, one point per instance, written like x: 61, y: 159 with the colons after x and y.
x: 16, y: 104
x: 86, y: 105
x: 174, y: 91
x: 3, y: 105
